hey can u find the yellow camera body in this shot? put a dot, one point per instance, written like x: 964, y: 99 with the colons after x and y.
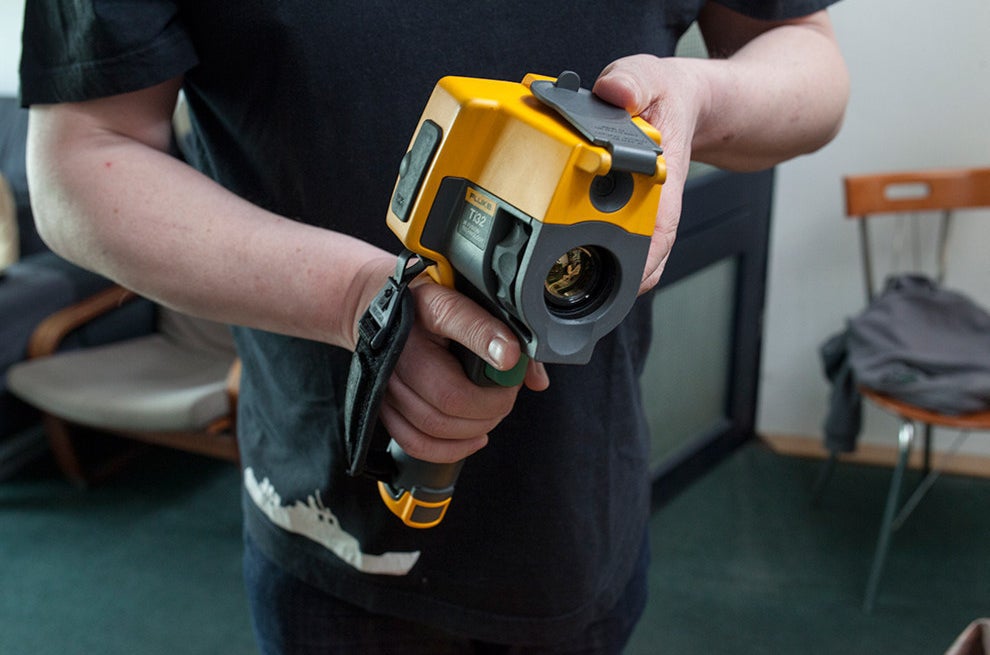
x: 536, y: 199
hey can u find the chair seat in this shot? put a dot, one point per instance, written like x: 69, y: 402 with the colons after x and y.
x: 147, y: 384
x: 973, y: 421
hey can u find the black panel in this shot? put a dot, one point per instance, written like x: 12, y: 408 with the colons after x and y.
x: 725, y: 215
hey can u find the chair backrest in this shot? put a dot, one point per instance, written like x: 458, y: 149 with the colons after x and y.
x: 917, y: 191
x: 935, y: 190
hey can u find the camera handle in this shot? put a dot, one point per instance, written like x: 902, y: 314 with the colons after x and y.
x: 416, y: 491
x: 419, y: 492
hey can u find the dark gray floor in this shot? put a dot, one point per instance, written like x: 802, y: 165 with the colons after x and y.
x: 150, y: 563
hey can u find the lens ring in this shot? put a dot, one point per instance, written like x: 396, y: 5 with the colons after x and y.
x: 577, y: 282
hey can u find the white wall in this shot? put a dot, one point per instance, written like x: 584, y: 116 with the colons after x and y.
x: 920, y: 98
x: 11, y: 15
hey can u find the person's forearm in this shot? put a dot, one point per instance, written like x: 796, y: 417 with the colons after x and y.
x: 779, y: 95
x: 162, y: 229
x: 107, y: 196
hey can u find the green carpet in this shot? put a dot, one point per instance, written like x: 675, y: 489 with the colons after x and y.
x: 743, y: 564
x: 149, y: 563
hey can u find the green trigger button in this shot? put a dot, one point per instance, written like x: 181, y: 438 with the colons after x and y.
x: 510, y: 378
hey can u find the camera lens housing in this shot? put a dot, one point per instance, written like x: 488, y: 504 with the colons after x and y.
x: 559, y: 286
x: 578, y: 282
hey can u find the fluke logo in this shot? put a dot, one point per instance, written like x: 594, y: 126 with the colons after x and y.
x: 480, y: 200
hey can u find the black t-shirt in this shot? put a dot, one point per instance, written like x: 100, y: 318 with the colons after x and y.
x: 306, y: 108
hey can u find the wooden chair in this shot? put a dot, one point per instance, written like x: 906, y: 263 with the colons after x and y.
x: 176, y: 387
x: 935, y: 193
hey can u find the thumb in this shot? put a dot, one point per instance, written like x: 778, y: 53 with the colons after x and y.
x: 620, y: 85
x: 451, y: 315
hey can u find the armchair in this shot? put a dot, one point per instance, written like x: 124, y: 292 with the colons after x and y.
x: 175, y: 386
x: 34, y: 282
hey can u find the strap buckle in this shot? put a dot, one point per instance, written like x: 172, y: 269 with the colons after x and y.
x: 382, y: 334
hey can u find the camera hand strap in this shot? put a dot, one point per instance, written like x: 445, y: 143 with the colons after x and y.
x: 382, y: 334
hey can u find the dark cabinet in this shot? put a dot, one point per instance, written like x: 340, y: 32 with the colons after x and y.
x: 701, y: 379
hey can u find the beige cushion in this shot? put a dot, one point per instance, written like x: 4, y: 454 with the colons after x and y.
x: 194, y: 332
x: 9, y: 237
x: 151, y: 383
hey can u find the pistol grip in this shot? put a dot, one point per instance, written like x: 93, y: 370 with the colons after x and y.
x: 420, y: 491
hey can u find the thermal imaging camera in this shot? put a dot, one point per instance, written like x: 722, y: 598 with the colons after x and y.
x: 537, y: 200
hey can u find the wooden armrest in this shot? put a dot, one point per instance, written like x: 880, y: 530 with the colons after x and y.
x: 50, y: 333
x: 228, y: 423
x: 234, y: 383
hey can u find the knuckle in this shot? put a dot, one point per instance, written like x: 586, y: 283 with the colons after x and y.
x: 451, y: 400
x: 441, y: 308
x: 417, y: 448
x: 432, y: 450
x: 448, y: 313
x: 435, y: 424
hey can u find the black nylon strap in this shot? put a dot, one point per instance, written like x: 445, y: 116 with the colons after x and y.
x: 382, y: 334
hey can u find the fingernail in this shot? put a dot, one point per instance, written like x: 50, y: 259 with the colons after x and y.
x: 496, y: 352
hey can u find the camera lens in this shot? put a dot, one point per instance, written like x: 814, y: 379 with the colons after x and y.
x: 577, y: 282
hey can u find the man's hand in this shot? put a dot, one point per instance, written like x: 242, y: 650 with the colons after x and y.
x: 670, y: 96
x: 431, y: 409
x: 772, y: 90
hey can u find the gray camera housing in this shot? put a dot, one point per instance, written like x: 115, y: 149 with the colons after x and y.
x: 503, y: 256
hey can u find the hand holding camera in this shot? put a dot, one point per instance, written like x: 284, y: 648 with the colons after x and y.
x: 430, y: 408
x: 535, y: 200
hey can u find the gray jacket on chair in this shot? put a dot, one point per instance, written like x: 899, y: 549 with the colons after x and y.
x: 917, y: 342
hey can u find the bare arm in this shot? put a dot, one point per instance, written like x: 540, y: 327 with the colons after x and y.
x: 107, y: 196
x: 781, y: 90
x: 771, y: 91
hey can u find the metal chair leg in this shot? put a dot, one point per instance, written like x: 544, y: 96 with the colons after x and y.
x: 928, y: 481
x: 926, y: 466
x: 904, y: 438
